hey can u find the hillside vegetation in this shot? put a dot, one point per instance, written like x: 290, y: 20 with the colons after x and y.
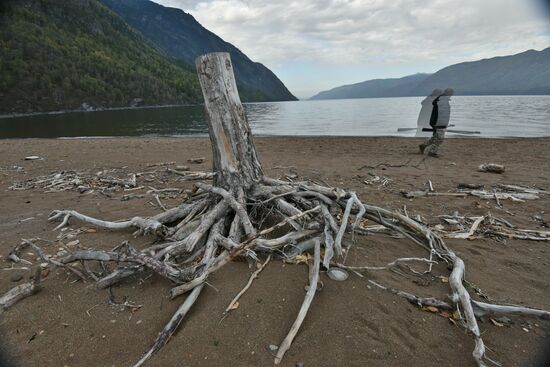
x: 56, y: 55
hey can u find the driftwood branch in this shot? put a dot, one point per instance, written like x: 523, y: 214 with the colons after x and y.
x: 285, y: 345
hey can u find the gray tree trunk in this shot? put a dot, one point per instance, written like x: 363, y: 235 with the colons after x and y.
x: 236, y: 161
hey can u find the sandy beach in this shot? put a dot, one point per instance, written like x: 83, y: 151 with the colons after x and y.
x: 69, y: 323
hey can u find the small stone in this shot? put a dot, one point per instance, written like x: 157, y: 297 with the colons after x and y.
x: 32, y: 158
x: 182, y: 168
x: 300, y: 364
x: 16, y: 277
x: 273, y: 347
x: 337, y: 274
x: 525, y: 329
x: 138, y: 322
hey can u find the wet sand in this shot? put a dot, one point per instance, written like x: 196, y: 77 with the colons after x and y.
x: 349, y: 324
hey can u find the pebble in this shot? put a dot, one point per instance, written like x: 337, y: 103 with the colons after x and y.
x: 16, y: 277
x: 273, y: 347
x: 337, y: 274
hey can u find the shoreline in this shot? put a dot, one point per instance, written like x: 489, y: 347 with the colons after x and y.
x: 260, y: 136
x: 99, y: 109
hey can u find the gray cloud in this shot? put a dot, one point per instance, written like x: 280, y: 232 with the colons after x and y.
x: 343, y: 33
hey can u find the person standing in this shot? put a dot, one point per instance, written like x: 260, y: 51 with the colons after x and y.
x: 439, y: 120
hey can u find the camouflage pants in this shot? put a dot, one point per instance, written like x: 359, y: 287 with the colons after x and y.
x: 432, y: 145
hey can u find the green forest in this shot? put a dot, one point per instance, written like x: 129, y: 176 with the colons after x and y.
x: 56, y: 55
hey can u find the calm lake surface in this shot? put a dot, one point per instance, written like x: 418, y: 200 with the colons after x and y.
x: 493, y: 116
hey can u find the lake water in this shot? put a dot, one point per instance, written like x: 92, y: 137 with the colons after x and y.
x: 493, y: 116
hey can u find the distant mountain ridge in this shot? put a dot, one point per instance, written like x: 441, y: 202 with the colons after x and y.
x: 374, y: 88
x: 183, y: 38
x: 524, y: 73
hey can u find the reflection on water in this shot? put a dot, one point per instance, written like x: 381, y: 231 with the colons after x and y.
x: 132, y: 122
x: 494, y: 116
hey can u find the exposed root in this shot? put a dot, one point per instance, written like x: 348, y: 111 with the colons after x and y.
x: 396, y: 262
x: 216, y: 225
x: 415, y: 300
x: 285, y: 345
x: 143, y: 225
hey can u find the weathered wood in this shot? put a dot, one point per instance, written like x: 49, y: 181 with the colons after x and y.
x: 314, y: 278
x: 234, y: 153
x: 419, y: 194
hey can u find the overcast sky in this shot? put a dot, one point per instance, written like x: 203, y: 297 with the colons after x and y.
x: 314, y: 45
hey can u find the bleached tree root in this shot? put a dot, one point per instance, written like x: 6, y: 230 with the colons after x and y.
x: 480, y: 308
x: 143, y: 225
x: 217, y: 225
x: 285, y: 345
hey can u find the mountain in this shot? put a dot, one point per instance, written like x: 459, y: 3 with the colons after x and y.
x: 374, y: 88
x: 182, y: 37
x: 56, y: 55
x: 524, y: 73
x: 61, y: 55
